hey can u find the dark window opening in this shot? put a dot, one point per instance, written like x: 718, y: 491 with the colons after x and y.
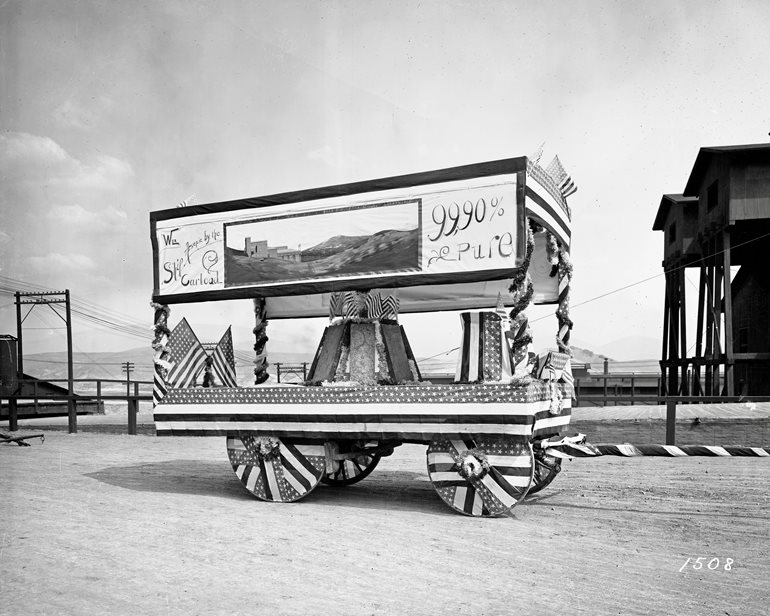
x: 712, y: 195
x: 672, y: 233
x: 743, y: 340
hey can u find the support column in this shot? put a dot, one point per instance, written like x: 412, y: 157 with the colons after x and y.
x: 673, y: 333
x: 682, y: 282
x: 697, y: 389
x: 664, y: 351
x: 728, y: 311
x: 72, y: 418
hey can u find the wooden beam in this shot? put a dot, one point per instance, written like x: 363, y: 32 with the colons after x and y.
x: 682, y: 279
x: 718, y: 277
x: 664, y: 350
x: 709, y: 314
x: 728, y: 293
x: 672, y: 377
x: 697, y: 389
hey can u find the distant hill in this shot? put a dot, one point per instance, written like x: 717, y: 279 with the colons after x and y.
x: 109, y: 365
x: 332, y: 246
x: 585, y: 356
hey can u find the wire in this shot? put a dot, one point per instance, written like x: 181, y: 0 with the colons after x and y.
x: 83, y: 363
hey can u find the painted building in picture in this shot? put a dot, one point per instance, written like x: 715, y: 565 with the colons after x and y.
x: 261, y: 250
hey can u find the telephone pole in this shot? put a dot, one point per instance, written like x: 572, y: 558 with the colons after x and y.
x: 127, y: 368
x: 49, y: 298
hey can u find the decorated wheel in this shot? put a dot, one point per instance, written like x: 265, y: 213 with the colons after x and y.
x: 354, y: 468
x: 276, y: 469
x: 484, y: 476
x: 546, y: 469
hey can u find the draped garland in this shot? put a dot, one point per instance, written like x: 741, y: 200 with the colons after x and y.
x: 562, y: 313
x: 522, y: 289
x: 160, y: 340
x: 260, y: 336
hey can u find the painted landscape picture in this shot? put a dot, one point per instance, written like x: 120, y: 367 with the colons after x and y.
x: 330, y: 244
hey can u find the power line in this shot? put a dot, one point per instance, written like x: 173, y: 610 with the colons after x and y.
x: 82, y: 363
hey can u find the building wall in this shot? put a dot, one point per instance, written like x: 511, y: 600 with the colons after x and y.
x: 719, y: 172
x: 751, y: 330
x: 750, y: 191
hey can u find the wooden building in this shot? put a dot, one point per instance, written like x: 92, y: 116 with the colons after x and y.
x: 721, y: 222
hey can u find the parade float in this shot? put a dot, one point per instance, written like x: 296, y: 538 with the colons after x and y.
x: 485, y: 240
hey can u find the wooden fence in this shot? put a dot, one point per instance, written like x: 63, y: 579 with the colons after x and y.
x: 95, y: 393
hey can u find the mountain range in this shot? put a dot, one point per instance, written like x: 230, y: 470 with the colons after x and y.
x: 109, y: 365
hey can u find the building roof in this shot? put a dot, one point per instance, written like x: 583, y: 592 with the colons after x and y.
x: 666, y: 202
x: 706, y: 154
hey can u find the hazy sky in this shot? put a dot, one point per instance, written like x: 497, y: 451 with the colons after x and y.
x: 113, y: 109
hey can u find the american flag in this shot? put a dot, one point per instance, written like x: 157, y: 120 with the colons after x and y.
x: 187, y: 355
x: 223, y: 365
x: 565, y: 183
x: 537, y: 154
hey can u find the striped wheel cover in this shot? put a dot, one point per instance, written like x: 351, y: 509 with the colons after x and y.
x: 286, y: 478
x: 509, y: 478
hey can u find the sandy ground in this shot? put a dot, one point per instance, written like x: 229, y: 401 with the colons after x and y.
x: 112, y: 524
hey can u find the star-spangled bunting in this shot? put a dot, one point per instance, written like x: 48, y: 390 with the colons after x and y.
x: 223, y: 365
x: 187, y: 356
x: 158, y: 387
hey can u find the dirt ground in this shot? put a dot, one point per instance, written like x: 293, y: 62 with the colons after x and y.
x: 108, y: 524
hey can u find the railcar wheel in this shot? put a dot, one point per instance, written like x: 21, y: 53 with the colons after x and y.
x: 353, y: 469
x: 546, y: 469
x: 276, y: 469
x: 483, y: 476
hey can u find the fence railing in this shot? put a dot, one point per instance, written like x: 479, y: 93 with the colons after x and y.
x: 296, y: 370
x: 616, y: 389
x: 95, y: 394
x: 133, y: 399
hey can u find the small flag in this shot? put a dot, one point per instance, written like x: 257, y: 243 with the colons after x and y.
x: 389, y: 308
x: 223, y: 365
x: 537, y: 154
x: 565, y: 183
x: 186, y: 202
x: 187, y: 355
x: 336, y: 305
x: 500, y: 307
x: 373, y: 305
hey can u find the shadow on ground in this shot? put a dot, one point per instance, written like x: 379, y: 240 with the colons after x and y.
x: 390, y: 490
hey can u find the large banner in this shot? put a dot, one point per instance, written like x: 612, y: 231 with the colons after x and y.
x: 456, y: 231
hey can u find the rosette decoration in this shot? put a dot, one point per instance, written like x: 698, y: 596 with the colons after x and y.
x: 159, y: 345
x: 482, y: 476
x: 276, y: 469
x: 260, y: 336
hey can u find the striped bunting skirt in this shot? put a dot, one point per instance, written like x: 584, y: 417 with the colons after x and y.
x: 406, y: 413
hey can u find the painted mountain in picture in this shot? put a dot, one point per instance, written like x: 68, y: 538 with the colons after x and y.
x: 373, y: 239
x: 385, y: 251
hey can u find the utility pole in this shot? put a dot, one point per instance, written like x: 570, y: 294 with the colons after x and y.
x: 49, y: 298
x: 127, y: 368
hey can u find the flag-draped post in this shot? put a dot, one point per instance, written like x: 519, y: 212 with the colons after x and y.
x: 260, y: 340
x: 159, y: 345
x: 522, y: 289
